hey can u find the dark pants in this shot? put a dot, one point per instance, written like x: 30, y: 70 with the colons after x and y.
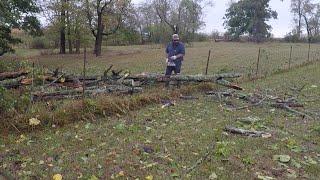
x: 176, y: 69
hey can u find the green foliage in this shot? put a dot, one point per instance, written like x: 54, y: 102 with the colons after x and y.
x: 223, y: 149
x: 9, y: 101
x: 248, y: 160
x: 317, y: 129
x: 249, y: 17
x: 40, y: 43
x: 12, y: 65
x: 292, y: 38
x: 6, y: 100
x: 19, y: 15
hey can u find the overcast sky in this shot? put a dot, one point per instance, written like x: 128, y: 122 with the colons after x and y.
x: 214, y: 17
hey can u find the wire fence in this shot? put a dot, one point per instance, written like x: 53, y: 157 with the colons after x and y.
x: 272, y: 60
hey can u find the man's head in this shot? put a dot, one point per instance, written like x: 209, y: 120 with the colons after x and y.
x: 175, y: 38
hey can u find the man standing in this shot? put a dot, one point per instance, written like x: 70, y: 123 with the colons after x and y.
x: 175, y: 52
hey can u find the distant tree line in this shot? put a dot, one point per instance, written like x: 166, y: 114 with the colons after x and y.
x: 119, y: 22
x: 74, y: 24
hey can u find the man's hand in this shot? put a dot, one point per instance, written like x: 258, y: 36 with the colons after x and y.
x: 167, y: 60
x: 173, y: 57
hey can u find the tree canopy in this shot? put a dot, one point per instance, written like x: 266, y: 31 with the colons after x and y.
x: 249, y: 17
x: 19, y: 14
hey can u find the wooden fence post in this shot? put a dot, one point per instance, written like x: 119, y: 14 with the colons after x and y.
x: 258, y: 61
x: 84, y: 74
x: 208, y: 62
x: 290, y: 58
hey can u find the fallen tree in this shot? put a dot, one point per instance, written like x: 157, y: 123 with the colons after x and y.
x: 12, y: 75
x: 189, y: 78
x: 76, y: 93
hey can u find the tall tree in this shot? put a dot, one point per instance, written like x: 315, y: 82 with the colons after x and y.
x: 105, y: 18
x: 70, y: 28
x: 182, y: 16
x: 16, y: 14
x: 296, y: 9
x: 249, y: 17
x: 63, y: 5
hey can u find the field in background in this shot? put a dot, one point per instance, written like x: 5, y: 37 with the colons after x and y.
x: 163, y: 143
x: 225, y: 56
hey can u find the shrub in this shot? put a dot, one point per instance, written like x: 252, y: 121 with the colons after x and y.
x: 7, y: 100
x: 40, y: 43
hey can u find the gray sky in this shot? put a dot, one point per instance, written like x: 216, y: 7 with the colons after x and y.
x: 213, y: 17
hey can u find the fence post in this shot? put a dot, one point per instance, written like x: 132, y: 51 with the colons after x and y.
x: 32, y: 83
x: 309, y: 51
x: 258, y: 61
x: 84, y: 74
x: 208, y: 62
x: 290, y: 58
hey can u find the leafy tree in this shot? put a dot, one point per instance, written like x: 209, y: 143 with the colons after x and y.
x: 249, y: 17
x: 18, y: 14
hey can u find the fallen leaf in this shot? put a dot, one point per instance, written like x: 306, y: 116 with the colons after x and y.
x: 213, y: 176
x: 120, y: 174
x: 264, y: 177
x: 309, y: 160
x: 266, y: 135
x: 34, y: 122
x: 282, y: 158
x: 21, y: 138
x: 150, y: 177
x: 57, y: 177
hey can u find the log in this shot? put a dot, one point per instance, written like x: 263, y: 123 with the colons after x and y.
x: 76, y: 93
x: 190, y: 78
x: 245, y: 132
x: 12, y: 75
x: 12, y: 83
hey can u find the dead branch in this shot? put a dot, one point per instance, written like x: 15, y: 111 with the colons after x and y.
x: 244, y: 132
x: 251, y: 105
x: 210, y: 150
x: 286, y: 107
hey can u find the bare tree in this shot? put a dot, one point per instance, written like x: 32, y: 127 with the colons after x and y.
x: 102, y: 25
x: 182, y: 16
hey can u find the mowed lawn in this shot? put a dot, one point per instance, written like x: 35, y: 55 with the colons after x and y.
x: 163, y: 143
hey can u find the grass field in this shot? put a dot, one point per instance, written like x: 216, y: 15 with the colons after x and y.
x: 239, y: 57
x: 163, y: 143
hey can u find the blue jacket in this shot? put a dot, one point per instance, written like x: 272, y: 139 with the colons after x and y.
x: 173, y: 50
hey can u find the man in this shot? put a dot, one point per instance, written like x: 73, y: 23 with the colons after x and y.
x: 175, y: 53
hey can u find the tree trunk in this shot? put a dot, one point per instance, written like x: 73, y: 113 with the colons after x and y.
x: 69, y: 34
x: 63, y: 28
x: 77, y: 44
x: 98, y: 41
x: 299, y: 18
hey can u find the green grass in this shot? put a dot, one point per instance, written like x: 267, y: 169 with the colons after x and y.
x: 165, y: 142
x: 239, y: 57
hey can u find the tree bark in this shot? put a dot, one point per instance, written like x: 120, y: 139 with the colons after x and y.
x: 69, y: 34
x: 40, y: 96
x: 63, y: 28
x: 99, y: 35
x: 192, y: 78
x: 12, y: 75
